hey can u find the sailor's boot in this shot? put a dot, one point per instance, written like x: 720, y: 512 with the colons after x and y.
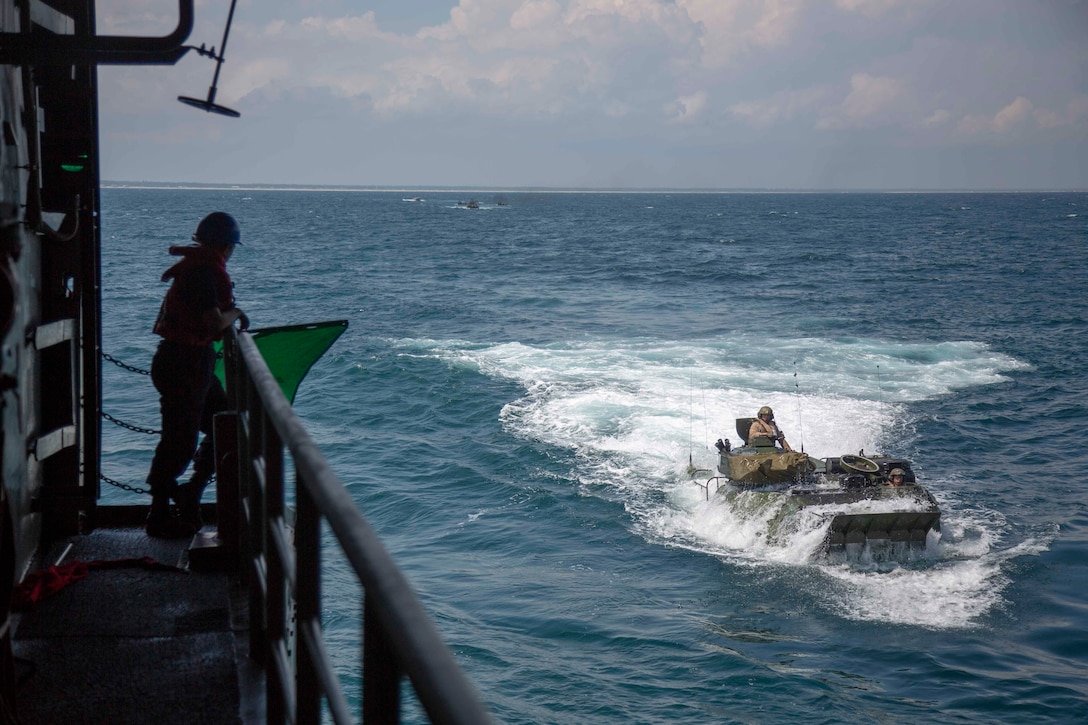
x: 161, y: 522
x: 188, y: 497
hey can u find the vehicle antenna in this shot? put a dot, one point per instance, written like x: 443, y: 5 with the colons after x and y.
x: 691, y: 417
x: 880, y: 397
x: 692, y: 470
x: 879, y: 391
x: 706, y: 421
x: 800, y: 421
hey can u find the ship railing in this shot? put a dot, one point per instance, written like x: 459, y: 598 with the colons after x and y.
x: 716, y: 480
x: 282, y: 566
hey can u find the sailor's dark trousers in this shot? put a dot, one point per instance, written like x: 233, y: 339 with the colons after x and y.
x: 189, y: 396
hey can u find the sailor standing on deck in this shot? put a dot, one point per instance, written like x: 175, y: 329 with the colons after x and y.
x: 764, y: 427
x: 198, y: 307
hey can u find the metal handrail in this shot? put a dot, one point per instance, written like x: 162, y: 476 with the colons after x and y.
x: 399, y: 638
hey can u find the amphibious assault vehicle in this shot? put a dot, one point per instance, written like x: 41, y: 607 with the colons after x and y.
x: 855, y: 491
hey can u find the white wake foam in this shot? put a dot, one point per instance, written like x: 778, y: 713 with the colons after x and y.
x: 635, y: 412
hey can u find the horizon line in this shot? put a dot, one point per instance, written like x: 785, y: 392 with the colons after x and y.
x: 218, y: 186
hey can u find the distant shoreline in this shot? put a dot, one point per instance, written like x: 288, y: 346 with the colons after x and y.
x: 193, y: 186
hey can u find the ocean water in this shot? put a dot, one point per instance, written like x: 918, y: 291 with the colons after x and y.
x: 521, y: 388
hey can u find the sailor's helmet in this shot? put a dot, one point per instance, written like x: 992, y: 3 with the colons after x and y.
x: 765, y: 410
x: 897, y: 472
x: 219, y: 229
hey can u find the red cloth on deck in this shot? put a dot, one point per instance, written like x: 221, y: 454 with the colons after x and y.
x: 44, y: 583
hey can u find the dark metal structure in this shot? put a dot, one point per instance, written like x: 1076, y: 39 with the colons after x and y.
x: 283, y: 566
x: 50, y: 401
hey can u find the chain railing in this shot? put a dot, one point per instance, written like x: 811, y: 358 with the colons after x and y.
x: 127, y: 426
x: 110, y: 358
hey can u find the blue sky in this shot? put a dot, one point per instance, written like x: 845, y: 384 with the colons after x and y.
x: 778, y: 94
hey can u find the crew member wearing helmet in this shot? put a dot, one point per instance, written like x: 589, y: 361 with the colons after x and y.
x: 197, y: 308
x: 897, y: 476
x: 764, y: 427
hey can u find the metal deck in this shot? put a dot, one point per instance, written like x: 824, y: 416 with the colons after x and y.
x: 136, y: 645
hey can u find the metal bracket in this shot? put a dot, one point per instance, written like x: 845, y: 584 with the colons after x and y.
x: 45, y: 48
x: 52, y: 442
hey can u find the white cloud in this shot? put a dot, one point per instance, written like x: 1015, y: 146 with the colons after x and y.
x: 871, y: 8
x: 536, y: 14
x: 779, y: 107
x: 353, y: 29
x: 733, y: 28
x: 937, y: 119
x: 687, y: 108
x: 135, y: 17
x: 254, y: 75
x: 633, y: 11
x: 872, y: 101
x: 1075, y: 113
x: 1014, y: 116
x: 1022, y: 117
x: 536, y: 56
x: 910, y: 73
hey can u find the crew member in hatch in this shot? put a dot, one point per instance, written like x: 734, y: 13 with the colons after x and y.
x: 764, y: 427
